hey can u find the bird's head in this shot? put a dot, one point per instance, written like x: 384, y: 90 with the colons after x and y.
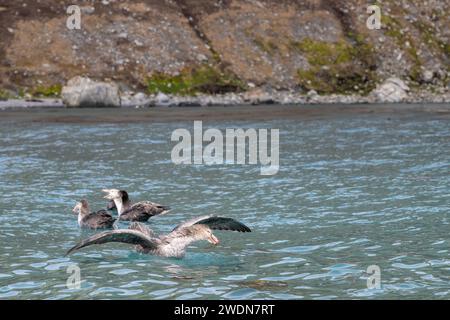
x: 112, y: 194
x: 81, y: 207
x: 205, y: 233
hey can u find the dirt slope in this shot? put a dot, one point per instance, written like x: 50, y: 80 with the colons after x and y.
x: 300, y: 45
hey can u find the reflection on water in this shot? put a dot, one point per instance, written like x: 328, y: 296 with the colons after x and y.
x: 351, y: 192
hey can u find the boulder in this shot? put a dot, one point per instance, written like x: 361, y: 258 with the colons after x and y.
x: 257, y: 96
x: 84, y: 92
x: 427, y: 76
x: 391, y: 90
x: 131, y: 99
x: 163, y: 99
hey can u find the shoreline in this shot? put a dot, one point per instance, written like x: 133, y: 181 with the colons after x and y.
x: 140, y: 100
x: 263, y: 112
x: 257, y: 105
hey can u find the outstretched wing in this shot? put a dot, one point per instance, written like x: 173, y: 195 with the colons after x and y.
x: 124, y: 236
x: 190, y: 222
x: 221, y: 223
x: 215, y: 223
x: 142, y: 228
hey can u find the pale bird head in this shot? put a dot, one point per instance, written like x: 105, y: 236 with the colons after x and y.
x: 205, y: 233
x: 80, y: 206
x: 112, y: 194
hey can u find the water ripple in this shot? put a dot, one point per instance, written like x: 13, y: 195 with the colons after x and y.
x: 351, y: 193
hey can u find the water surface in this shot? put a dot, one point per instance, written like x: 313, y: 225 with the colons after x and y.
x: 351, y: 192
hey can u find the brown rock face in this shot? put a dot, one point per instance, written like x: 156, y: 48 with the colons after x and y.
x: 120, y: 41
x: 312, y: 44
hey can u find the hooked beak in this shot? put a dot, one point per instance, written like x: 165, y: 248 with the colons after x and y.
x: 109, y: 193
x: 213, y: 239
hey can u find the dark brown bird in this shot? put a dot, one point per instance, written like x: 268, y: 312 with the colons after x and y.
x: 93, y: 220
x: 140, y: 211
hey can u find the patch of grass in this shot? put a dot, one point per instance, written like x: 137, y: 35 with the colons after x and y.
x: 324, y: 53
x: 21, y: 93
x: 160, y: 82
x: 339, y: 67
x: 47, y: 92
x: 5, y: 95
x: 393, y: 28
x: 204, y: 79
x: 338, y: 80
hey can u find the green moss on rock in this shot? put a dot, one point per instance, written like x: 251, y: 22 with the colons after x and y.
x: 48, y: 92
x: 334, y: 67
x: 393, y: 28
x: 324, y: 53
x: 204, y: 79
x: 5, y: 95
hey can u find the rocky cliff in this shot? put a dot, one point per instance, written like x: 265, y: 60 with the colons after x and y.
x: 217, y: 46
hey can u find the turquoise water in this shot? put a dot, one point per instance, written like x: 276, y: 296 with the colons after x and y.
x: 351, y: 192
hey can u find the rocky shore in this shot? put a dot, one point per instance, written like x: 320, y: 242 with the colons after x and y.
x: 278, y: 98
x: 222, y: 52
x: 84, y: 92
x: 392, y: 90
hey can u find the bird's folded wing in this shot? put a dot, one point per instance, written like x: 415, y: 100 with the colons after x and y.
x: 151, y: 204
x: 146, y: 207
x: 103, y: 213
x: 124, y: 236
x: 99, y: 216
